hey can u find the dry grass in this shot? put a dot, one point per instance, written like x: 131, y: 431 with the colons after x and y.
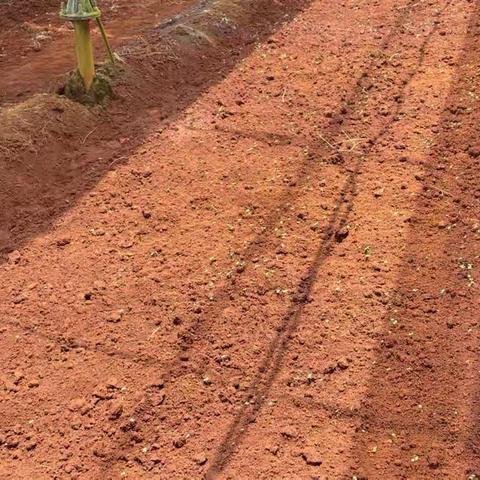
x: 30, y: 124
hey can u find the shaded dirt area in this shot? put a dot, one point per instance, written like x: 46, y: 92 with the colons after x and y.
x: 259, y: 264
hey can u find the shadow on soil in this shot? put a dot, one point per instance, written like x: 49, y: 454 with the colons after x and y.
x: 422, y: 406
x: 40, y: 186
x: 33, y: 198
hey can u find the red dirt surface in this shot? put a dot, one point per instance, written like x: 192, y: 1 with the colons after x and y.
x: 265, y: 268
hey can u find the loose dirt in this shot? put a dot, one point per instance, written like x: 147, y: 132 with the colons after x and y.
x: 263, y: 263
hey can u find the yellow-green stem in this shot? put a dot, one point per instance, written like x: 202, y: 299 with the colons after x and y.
x: 84, y: 49
x: 105, y: 39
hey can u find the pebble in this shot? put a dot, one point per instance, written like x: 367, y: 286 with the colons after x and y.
x: 288, y: 432
x: 76, y: 404
x: 112, y: 383
x: 18, y: 376
x: 62, y: 242
x: 30, y: 445
x: 442, y: 224
x: 311, y: 457
x: 116, y: 316
x: 343, y: 364
x: 115, y: 410
x: 179, y: 442
x: 14, y: 257
x: 342, y: 234
x: 273, y: 449
x: 160, y: 383
x: 200, y: 459
x: 19, y: 298
x: 10, y: 386
x: 330, y: 369
x: 474, y: 151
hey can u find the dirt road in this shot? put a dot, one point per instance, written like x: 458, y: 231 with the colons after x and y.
x: 270, y: 273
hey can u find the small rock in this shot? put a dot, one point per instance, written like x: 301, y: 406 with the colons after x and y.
x: 14, y: 257
x: 474, y: 151
x: 311, y: 457
x: 240, y: 267
x: 273, y: 449
x: 116, y: 410
x: 76, y: 404
x: 378, y: 192
x: 99, y: 285
x: 116, y: 316
x: 30, y: 445
x: 62, y: 242
x: 112, y: 383
x: 18, y: 376
x: 33, y: 383
x: 343, y: 364
x: 102, y: 393
x: 288, y: 432
x: 126, y: 244
x: 342, y: 234
x: 12, y: 442
x: 329, y: 369
x: 10, y: 386
x: 442, y: 224
x: 20, y: 298
x: 179, y: 442
x: 200, y: 459
x: 433, y: 463
x: 160, y: 383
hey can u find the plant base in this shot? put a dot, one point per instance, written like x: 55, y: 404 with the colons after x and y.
x: 100, y: 90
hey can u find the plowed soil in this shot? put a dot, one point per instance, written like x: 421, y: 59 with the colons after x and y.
x: 266, y: 268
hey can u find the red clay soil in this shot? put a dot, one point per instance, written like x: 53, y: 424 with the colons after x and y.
x: 36, y: 46
x: 266, y: 269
